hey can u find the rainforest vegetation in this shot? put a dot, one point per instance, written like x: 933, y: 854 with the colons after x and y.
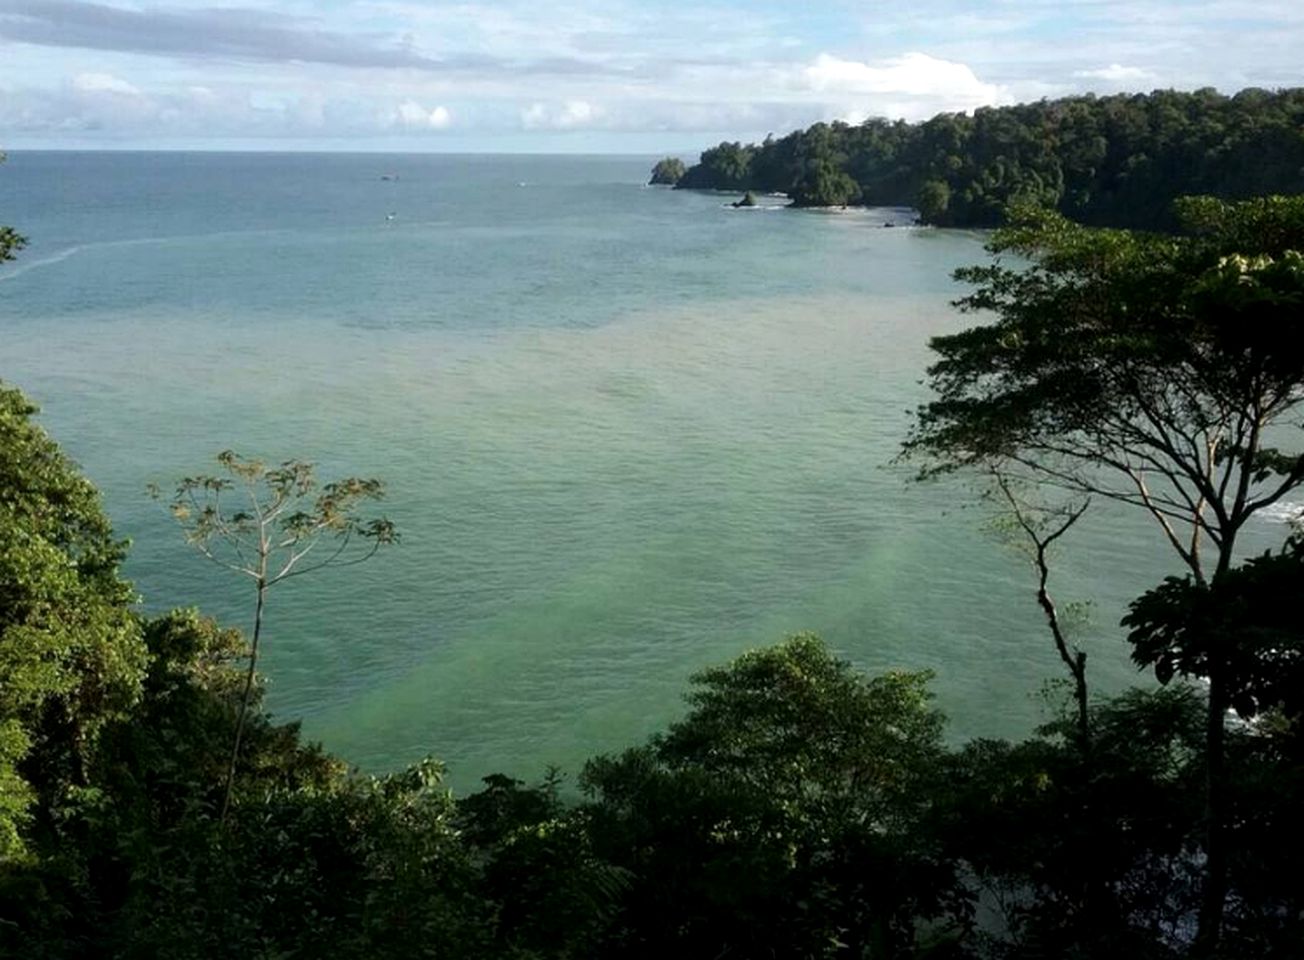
x: 151, y: 807
x: 1107, y: 161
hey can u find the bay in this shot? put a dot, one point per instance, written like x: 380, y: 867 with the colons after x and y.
x: 627, y: 432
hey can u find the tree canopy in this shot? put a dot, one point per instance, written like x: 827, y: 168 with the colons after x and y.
x: 1117, y: 160
x: 781, y: 816
x: 1145, y: 369
x: 667, y: 172
x: 1161, y: 372
x: 71, y: 655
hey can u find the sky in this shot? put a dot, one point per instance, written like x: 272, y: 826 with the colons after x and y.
x: 588, y: 76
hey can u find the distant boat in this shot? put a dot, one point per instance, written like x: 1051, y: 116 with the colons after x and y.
x: 389, y: 176
x: 390, y: 216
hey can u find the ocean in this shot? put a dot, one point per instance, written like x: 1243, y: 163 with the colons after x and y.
x: 626, y: 433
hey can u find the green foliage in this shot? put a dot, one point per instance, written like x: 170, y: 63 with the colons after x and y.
x: 168, y: 759
x: 724, y: 167
x: 933, y: 201
x: 796, y: 723
x: 71, y: 656
x: 1243, y: 626
x: 316, y: 863
x: 823, y: 185
x: 279, y: 515
x: 1145, y: 369
x: 778, y: 817
x: 667, y: 172
x: 369, y: 869
x: 1117, y: 160
x: 550, y: 892
x: 1083, y: 855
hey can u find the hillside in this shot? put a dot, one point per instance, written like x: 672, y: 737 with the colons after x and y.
x: 1107, y: 161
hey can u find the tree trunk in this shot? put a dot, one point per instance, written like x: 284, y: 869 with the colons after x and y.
x: 1213, y: 898
x: 244, y: 701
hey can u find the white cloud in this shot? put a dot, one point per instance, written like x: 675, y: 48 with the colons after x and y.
x: 913, y: 85
x: 103, y: 83
x: 912, y: 74
x: 571, y: 115
x: 604, y: 69
x: 413, y: 116
x: 1116, y: 73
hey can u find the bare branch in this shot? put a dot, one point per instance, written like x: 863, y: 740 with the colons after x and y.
x: 1074, y: 660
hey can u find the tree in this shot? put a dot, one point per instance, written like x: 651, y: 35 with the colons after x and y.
x: 824, y: 186
x: 667, y: 172
x: 726, y: 166
x: 273, y: 532
x: 1147, y: 370
x: 135, y: 844
x: 71, y: 656
x: 932, y: 201
x: 778, y: 818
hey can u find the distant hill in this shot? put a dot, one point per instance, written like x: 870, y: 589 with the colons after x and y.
x: 1115, y: 160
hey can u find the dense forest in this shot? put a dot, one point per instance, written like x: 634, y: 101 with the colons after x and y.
x: 1113, y: 161
x: 150, y: 806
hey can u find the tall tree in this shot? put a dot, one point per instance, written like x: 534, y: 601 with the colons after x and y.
x: 1152, y: 371
x: 282, y: 524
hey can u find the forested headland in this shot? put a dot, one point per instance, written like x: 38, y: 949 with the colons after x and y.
x: 1108, y: 161
x: 151, y: 807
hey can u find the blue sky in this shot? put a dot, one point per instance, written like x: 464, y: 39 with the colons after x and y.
x: 588, y: 75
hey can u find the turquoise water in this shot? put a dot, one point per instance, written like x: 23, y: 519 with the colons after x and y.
x: 626, y: 432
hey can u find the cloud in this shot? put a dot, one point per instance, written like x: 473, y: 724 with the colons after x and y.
x: 103, y: 83
x: 1116, y: 73
x: 376, y: 69
x: 932, y: 85
x: 230, y: 32
x: 89, y: 107
x: 571, y: 115
x: 413, y: 116
x: 245, y: 34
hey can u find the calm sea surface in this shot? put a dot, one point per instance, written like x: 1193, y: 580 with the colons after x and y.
x: 627, y: 432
